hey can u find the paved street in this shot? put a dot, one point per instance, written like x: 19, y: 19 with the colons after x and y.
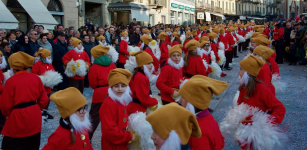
x: 294, y: 99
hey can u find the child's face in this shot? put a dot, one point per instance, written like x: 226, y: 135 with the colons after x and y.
x: 291, y: 43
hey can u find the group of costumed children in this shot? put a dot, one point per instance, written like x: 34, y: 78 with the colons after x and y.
x: 130, y: 117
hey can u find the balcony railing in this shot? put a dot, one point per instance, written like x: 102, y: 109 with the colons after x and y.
x: 247, y: 13
x: 200, y: 5
x: 257, y: 13
x: 268, y: 13
x: 218, y: 9
x: 156, y: 3
x: 207, y: 6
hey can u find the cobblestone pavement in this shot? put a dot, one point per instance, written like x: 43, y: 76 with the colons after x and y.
x: 294, y: 99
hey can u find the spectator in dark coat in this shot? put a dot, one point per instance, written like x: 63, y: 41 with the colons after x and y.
x: 6, y: 51
x: 135, y: 37
x: 60, y: 49
x: 287, y: 33
x: 33, y: 44
x: 22, y: 44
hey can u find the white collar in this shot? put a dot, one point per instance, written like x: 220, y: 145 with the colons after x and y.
x: 79, y: 50
x: 177, y: 66
x: 125, y: 99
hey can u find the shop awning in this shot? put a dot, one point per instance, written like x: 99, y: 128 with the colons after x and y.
x: 39, y: 13
x: 256, y: 18
x: 208, y: 17
x: 7, y: 19
x: 140, y: 12
x: 220, y: 15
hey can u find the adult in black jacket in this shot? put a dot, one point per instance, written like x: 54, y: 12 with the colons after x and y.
x: 22, y: 44
x: 287, y: 33
x: 87, y: 48
x: 33, y: 44
x: 135, y: 37
x: 60, y: 49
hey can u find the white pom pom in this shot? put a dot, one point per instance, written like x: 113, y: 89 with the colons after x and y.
x: 71, y: 68
x: 113, y: 53
x: 81, y: 67
x: 130, y: 64
x: 216, y: 69
x: 52, y: 78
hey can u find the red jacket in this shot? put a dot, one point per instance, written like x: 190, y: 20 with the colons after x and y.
x: 175, y: 43
x: 196, y: 38
x: 185, y: 50
x: 167, y: 40
x: 241, y: 32
x: 114, y: 119
x: 214, y: 48
x: 249, y: 29
x: 211, y: 136
x: 1, y: 84
x: 264, y: 99
x: 198, y: 32
x: 98, y: 81
x: 223, y: 40
x: 196, y: 66
x: 208, y: 60
x: 204, y: 34
x: 265, y: 75
x: 168, y: 80
x: 123, y: 50
x: 72, y: 54
x: 278, y: 32
x: 155, y: 59
x: 21, y: 88
x: 40, y: 68
x: 230, y: 41
x: 164, y: 52
x: 140, y: 90
x: 266, y: 32
x: 274, y: 65
x: 60, y: 140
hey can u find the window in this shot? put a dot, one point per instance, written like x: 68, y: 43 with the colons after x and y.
x: 163, y: 19
x: 219, y: 4
x: 226, y: 5
x: 13, y: 4
x: 54, y: 5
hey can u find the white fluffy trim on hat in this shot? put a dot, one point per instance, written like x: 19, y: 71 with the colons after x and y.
x: 71, y: 68
x: 278, y: 84
x: 222, y: 56
x: 216, y: 69
x: 133, y: 49
x: 262, y: 134
x: 155, y: 48
x: 131, y: 64
x: 137, y: 123
x: 81, y: 68
x: 241, y: 38
x: 52, y: 78
x: 113, y: 53
x: 182, y: 38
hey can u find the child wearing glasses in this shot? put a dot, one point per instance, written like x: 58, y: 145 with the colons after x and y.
x: 72, y: 132
x: 113, y: 112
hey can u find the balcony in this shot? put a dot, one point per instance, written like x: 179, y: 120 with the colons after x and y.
x: 257, y: 13
x: 218, y: 9
x: 200, y: 6
x: 268, y: 13
x: 207, y: 7
x: 247, y: 13
x: 157, y: 4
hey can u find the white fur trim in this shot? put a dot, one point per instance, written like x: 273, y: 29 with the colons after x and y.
x: 79, y: 50
x: 52, y: 78
x: 235, y: 100
x: 173, y: 142
x: 147, y: 72
x: 216, y: 69
x: 130, y: 64
x: 105, y: 44
x: 182, y: 38
x: 81, y: 67
x: 206, y: 52
x: 221, y: 46
x: 125, y: 99
x: 205, y: 63
x: 155, y: 49
x: 241, y: 38
x: 261, y: 133
x: 244, y: 79
x: 113, y: 53
x: 176, y: 66
x: 71, y: 68
x: 3, y: 63
x: 137, y: 123
x: 7, y: 75
x: 222, y: 56
x: 43, y: 79
x: 190, y: 107
x: 133, y: 49
x: 169, y: 47
x: 278, y: 84
x: 213, y: 58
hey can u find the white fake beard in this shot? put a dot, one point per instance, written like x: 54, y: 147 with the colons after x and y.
x: 215, y: 41
x: 173, y: 142
x: 173, y: 39
x: 142, y: 45
x: 79, y: 50
x: 147, y: 72
x: 125, y: 99
x: 3, y: 63
x: 190, y: 107
x: 207, y: 52
x: 169, y: 33
x: 244, y: 79
x: 122, y: 38
x: 105, y: 43
x: 48, y: 61
x: 177, y: 66
x: 78, y: 125
x: 199, y: 52
x: 11, y: 72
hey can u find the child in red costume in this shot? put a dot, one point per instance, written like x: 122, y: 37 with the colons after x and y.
x: 163, y: 48
x: 72, y: 132
x: 113, y: 112
x: 123, y: 50
x: 189, y: 36
x: 98, y: 74
x: 145, y: 39
x: 139, y: 84
x: 171, y: 76
x: 196, y: 95
x: 175, y: 39
x: 193, y: 63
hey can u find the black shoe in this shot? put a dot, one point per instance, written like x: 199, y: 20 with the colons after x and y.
x: 210, y: 110
x: 50, y: 116
x: 228, y: 68
x: 46, y: 115
x: 236, y: 56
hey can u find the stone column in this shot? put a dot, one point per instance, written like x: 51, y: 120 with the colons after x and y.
x: 106, y: 18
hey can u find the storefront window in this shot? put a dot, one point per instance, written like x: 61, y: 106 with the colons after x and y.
x: 172, y: 17
x: 180, y: 17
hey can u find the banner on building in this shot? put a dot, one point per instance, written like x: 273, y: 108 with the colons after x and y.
x: 208, y: 17
x: 200, y: 15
